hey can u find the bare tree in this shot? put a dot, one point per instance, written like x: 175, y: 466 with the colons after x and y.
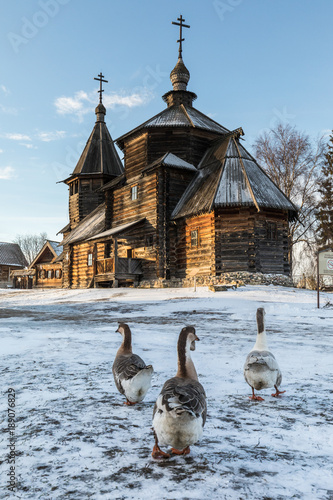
x: 30, y: 244
x: 294, y: 163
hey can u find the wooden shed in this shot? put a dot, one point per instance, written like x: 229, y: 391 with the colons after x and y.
x: 11, y: 259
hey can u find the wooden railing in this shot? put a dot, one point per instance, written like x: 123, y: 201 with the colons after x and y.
x: 129, y: 266
x: 105, y: 266
x: 124, y: 266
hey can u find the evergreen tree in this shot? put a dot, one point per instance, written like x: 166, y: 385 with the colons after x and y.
x: 325, y: 206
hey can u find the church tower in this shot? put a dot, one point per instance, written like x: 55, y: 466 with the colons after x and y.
x: 99, y: 163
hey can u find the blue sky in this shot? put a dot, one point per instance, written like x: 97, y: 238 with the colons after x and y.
x: 252, y: 63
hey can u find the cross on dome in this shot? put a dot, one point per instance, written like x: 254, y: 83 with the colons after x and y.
x: 181, y: 26
x: 100, y: 79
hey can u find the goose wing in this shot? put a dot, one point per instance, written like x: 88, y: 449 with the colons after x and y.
x: 125, y: 368
x: 261, y: 358
x: 183, y: 396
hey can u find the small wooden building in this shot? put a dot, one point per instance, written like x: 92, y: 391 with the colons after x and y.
x: 45, y: 271
x: 48, y: 266
x: 190, y: 200
x: 11, y: 258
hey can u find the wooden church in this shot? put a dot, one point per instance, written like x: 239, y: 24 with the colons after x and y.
x: 189, y: 201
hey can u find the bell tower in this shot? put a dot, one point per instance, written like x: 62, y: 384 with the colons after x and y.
x: 98, y: 164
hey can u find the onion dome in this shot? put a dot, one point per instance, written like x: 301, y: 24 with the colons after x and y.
x: 179, y: 76
x: 100, y: 112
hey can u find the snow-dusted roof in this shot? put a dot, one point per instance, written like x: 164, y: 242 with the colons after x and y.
x: 56, y: 247
x: 92, y: 224
x: 117, y: 230
x: 171, y: 160
x: 12, y: 255
x: 229, y: 176
x: 177, y: 116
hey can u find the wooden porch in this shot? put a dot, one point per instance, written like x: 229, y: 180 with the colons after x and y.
x: 115, y: 270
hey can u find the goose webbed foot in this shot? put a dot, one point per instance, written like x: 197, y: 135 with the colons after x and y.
x: 277, y: 393
x: 255, y: 398
x: 129, y: 403
x: 185, y: 451
x: 158, y: 453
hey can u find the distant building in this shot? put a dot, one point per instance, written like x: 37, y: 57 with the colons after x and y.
x: 11, y: 258
x: 190, y: 200
x: 45, y: 271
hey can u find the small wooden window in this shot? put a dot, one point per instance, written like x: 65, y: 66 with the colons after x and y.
x: 90, y: 259
x: 134, y: 192
x: 194, y: 238
x: 129, y: 253
x: 50, y: 274
x: 58, y: 273
x: 271, y: 230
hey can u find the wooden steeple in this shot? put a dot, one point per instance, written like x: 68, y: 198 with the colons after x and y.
x: 99, y: 163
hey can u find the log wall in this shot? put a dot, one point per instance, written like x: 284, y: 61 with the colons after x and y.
x: 42, y: 278
x: 200, y: 259
x: 135, y: 156
x: 242, y: 242
x: 188, y: 144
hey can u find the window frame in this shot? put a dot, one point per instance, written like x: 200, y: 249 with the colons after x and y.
x: 134, y: 192
x: 271, y: 231
x: 194, y: 241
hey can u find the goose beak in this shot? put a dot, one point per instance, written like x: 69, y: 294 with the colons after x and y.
x: 196, y: 338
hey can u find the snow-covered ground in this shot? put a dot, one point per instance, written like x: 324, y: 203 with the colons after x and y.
x: 76, y: 439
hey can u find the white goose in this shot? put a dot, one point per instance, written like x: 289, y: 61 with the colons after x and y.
x: 180, y: 410
x: 261, y: 369
x: 131, y: 375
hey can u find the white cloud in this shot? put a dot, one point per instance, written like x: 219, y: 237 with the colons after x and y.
x: 83, y: 103
x: 6, y: 173
x: 1, y: 150
x: 4, y: 89
x: 130, y: 101
x: 28, y: 145
x: 76, y: 105
x: 51, y: 136
x: 18, y: 137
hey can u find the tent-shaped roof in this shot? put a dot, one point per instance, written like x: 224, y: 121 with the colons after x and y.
x: 177, y: 116
x: 99, y: 155
x: 12, y: 255
x: 229, y: 176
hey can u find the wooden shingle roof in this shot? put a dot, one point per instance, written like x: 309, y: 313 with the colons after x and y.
x: 170, y: 160
x: 229, y: 176
x: 12, y: 255
x: 99, y: 155
x: 177, y: 116
x: 92, y: 224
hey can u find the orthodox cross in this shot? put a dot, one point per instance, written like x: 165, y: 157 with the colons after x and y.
x: 181, y: 26
x: 100, y: 79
